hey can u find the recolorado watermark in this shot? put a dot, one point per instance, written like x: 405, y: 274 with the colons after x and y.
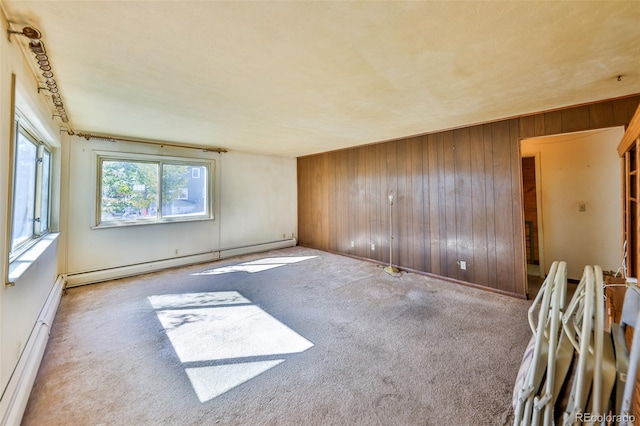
x: 599, y: 418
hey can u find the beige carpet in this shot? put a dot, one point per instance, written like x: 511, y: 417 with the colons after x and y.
x: 277, y: 339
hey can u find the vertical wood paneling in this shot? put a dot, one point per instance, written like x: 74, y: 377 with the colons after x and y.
x: 333, y: 238
x: 449, y: 166
x: 303, y: 203
x: 392, y: 185
x: 415, y: 204
x: 552, y: 123
x: 528, y: 126
x: 539, y: 124
x: 433, y: 203
x: 373, y: 194
x: 362, y: 206
x: 464, y: 204
x: 478, y: 206
x: 503, y: 203
x: 517, y: 197
x: 575, y: 119
x: 320, y: 202
x: 400, y: 208
x: 382, y: 248
x: 442, y: 205
x: 492, y: 254
x: 623, y: 110
x: 601, y: 115
x: 426, y: 212
x: 458, y: 196
x: 352, y: 184
x: 342, y: 194
x: 311, y: 231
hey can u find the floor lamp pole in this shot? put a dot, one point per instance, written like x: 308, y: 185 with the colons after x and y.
x: 391, y: 269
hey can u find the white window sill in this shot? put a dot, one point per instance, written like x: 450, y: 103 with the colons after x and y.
x: 23, y: 262
x: 145, y: 222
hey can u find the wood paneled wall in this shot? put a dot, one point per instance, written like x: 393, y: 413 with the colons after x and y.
x: 458, y: 196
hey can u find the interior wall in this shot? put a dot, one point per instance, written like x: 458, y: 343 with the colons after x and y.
x: 580, y: 169
x: 254, y: 203
x: 21, y: 304
x: 458, y: 192
x: 91, y: 249
x: 258, y: 200
x: 453, y: 203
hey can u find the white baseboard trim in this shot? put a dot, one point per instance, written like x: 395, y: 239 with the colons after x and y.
x: 238, y: 251
x: 18, y: 389
x: 82, y: 278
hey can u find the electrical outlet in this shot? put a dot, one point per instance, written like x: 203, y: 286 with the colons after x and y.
x: 373, y: 247
x: 175, y: 251
x: 463, y: 265
x: 353, y: 244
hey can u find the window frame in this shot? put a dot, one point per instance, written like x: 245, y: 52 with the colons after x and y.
x: 25, y: 129
x: 159, y: 160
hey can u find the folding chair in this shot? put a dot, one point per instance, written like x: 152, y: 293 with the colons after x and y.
x: 544, y: 403
x: 577, y: 325
x: 540, y: 356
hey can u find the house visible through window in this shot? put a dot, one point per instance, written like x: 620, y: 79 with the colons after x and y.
x: 147, y: 190
x: 31, y: 191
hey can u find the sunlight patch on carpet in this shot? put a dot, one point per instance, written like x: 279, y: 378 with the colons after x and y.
x: 256, y: 265
x: 210, y: 334
x: 224, y: 329
x: 194, y: 300
x: 210, y: 382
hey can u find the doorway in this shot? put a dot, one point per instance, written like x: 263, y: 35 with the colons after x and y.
x: 577, y: 204
x: 529, y: 188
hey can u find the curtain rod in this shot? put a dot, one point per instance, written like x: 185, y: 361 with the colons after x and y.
x: 88, y: 136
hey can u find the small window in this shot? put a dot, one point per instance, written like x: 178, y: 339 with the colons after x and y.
x: 31, y: 191
x: 145, y: 190
x: 45, y: 190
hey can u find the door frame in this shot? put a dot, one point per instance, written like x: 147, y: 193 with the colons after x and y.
x: 541, y: 263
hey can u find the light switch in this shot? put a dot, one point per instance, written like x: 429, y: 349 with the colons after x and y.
x: 582, y: 207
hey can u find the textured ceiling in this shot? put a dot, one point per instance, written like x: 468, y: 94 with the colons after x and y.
x: 295, y: 78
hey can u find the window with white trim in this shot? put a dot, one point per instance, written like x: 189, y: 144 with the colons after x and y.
x: 144, y: 189
x: 31, y: 190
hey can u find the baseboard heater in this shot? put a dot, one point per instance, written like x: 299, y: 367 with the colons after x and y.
x: 239, y: 251
x: 82, y: 278
x: 19, y: 387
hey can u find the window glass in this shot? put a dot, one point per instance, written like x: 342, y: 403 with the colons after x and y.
x: 184, y: 190
x: 31, y: 197
x: 45, y: 190
x: 24, y: 191
x: 131, y: 191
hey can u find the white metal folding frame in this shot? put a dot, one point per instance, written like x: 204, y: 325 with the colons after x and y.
x: 544, y: 403
x: 577, y: 333
x: 583, y: 324
x: 550, y: 299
